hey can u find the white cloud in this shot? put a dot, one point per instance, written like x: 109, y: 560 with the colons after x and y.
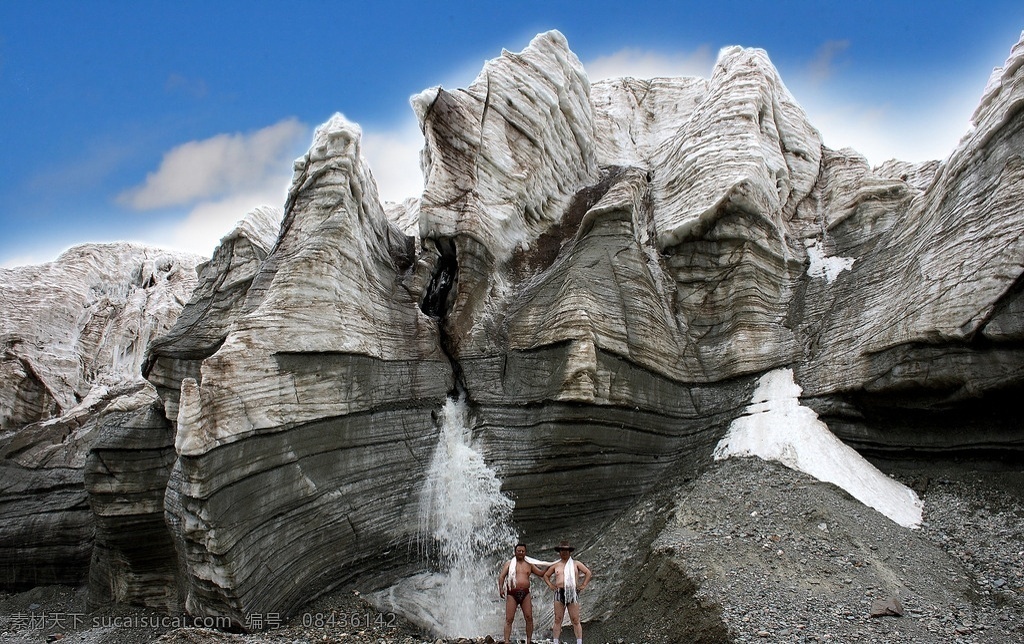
x: 393, y: 155
x: 640, y: 63
x: 823, y: 65
x: 214, y: 182
x: 394, y: 158
x: 218, y: 167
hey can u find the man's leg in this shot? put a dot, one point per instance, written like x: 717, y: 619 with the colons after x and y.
x: 528, y: 616
x: 510, y: 615
x: 574, y: 617
x: 556, y: 630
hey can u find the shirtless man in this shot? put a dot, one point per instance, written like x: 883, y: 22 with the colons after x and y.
x: 514, y: 587
x: 567, y: 587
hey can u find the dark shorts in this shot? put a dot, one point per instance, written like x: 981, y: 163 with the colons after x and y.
x: 519, y: 594
x: 560, y: 597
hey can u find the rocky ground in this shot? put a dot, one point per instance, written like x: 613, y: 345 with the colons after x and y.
x: 750, y: 552
x: 48, y: 614
x: 755, y: 552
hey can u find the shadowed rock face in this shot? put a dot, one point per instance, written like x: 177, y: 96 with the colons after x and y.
x: 125, y: 477
x: 604, y: 270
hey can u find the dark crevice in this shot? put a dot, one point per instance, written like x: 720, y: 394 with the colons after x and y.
x: 196, y: 354
x: 924, y: 423
x: 435, y: 298
x: 437, y: 303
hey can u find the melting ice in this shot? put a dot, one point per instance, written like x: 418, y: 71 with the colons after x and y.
x: 777, y: 427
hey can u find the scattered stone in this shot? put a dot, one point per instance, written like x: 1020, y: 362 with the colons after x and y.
x: 887, y: 608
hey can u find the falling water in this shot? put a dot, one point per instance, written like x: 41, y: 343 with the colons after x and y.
x: 465, y: 523
x: 464, y: 529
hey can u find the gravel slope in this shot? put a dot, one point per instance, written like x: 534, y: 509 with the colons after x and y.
x: 769, y: 554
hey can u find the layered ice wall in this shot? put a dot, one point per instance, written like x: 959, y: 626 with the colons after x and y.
x: 504, y: 156
x: 606, y: 270
x: 73, y: 339
x: 74, y: 327
x: 624, y: 262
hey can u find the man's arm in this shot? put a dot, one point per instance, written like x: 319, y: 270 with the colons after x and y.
x: 586, y: 575
x: 501, y: 580
x: 537, y: 570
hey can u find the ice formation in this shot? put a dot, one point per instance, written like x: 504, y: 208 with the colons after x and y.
x: 823, y: 266
x: 776, y: 427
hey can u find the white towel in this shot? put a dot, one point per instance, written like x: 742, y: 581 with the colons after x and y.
x: 510, y: 580
x: 571, y: 593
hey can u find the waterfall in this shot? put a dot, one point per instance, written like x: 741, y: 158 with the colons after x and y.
x: 464, y: 529
x: 462, y: 509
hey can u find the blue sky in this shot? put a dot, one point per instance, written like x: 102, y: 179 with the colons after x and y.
x: 165, y: 122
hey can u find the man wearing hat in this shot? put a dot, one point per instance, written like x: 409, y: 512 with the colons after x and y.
x: 563, y: 578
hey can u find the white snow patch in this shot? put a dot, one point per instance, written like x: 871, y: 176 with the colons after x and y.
x: 827, y: 267
x: 776, y: 427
